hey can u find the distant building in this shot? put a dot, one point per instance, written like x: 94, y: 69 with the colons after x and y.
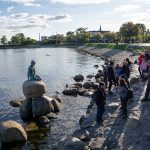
x: 100, y: 31
x: 44, y: 38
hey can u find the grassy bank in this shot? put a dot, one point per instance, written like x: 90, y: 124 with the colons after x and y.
x: 126, y: 47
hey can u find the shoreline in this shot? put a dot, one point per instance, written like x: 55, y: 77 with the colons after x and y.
x: 115, y: 133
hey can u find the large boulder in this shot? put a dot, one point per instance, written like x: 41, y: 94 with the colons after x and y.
x: 96, y: 143
x: 70, y: 91
x: 71, y: 143
x: 79, y: 78
x: 43, y: 121
x: 12, y: 131
x: 15, y: 103
x: 56, y: 105
x: 33, y: 89
x: 87, y: 85
x: 133, y: 123
x: 26, y: 110
x: 41, y: 106
x: 78, y: 85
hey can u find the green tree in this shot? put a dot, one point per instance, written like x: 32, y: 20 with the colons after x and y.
x: 3, y: 40
x: 18, y: 39
x: 60, y: 38
x: 141, y: 31
x: 128, y: 30
x: 70, y: 37
x: 82, y: 35
x: 111, y: 37
x: 96, y: 37
x: 15, y: 40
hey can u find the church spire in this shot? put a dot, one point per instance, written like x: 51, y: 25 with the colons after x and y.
x: 100, y: 28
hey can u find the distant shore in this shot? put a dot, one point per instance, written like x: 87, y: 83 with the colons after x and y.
x: 39, y: 46
x: 120, y: 46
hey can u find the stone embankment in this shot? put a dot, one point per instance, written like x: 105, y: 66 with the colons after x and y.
x: 115, y: 133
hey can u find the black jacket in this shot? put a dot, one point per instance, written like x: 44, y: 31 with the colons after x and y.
x: 99, y: 97
x: 126, y: 70
x: 111, y: 75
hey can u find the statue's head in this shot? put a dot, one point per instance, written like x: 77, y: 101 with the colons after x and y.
x: 33, y: 62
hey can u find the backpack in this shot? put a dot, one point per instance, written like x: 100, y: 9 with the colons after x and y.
x: 130, y: 94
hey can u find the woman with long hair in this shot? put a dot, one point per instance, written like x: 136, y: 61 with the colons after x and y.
x: 123, y: 92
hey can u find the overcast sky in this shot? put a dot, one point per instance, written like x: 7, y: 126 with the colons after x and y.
x: 47, y: 17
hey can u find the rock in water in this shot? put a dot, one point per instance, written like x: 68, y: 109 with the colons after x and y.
x: 14, y: 103
x: 56, y: 105
x: 87, y: 85
x: 26, y: 110
x: 41, y: 106
x: 33, y: 89
x: 79, y: 78
x: 70, y: 91
x: 12, y: 131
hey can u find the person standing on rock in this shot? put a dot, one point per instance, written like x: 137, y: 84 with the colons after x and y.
x: 105, y: 74
x: 99, y: 97
x: 111, y: 76
x: 125, y: 69
x: 146, y: 97
x: 123, y: 93
x: 117, y: 72
x: 31, y: 71
x: 139, y: 62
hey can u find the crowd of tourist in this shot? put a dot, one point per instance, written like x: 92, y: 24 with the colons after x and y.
x: 116, y: 76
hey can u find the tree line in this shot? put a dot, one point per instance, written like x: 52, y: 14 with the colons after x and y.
x: 128, y: 32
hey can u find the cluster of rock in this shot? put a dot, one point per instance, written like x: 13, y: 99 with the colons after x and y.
x: 84, y: 88
x: 36, y: 107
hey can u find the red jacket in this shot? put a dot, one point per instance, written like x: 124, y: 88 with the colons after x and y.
x: 140, y: 59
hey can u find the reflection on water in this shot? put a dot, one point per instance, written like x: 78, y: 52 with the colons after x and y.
x: 56, y: 66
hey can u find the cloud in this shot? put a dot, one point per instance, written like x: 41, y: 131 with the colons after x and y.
x: 23, y: 21
x: 20, y: 15
x: 142, y: 1
x: 59, y: 17
x: 126, y: 8
x: 142, y: 17
x: 19, y: 1
x: 81, y: 2
x: 10, y: 9
x: 24, y: 2
x: 32, y: 4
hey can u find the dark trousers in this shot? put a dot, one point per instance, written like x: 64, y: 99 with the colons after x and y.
x: 116, y: 81
x: 100, y: 111
x: 147, y: 90
x: 124, y: 102
x: 110, y: 84
x: 139, y: 70
x: 105, y: 80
